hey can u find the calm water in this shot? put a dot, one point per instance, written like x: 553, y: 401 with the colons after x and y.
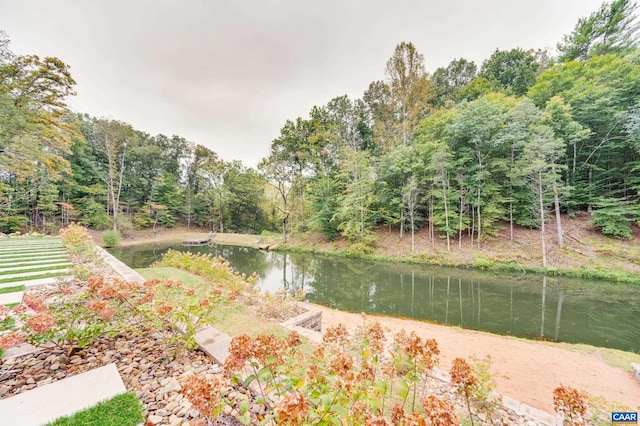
x: 531, y: 306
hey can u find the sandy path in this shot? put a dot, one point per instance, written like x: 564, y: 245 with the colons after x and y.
x: 525, y: 370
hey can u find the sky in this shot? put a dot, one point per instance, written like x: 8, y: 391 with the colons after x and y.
x: 228, y: 74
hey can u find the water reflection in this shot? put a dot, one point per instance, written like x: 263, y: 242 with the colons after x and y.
x: 597, y: 313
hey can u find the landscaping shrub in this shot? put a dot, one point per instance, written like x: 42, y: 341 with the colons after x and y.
x: 110, y: 238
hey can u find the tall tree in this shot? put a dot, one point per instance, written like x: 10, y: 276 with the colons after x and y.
x: 112, y: 138
x: 35, y: 130
x: 611, y: 29
x: 281, y: 174
x: 513, y: 71
x: 411, y: 90
x: 448, y: 81
x: 540, y: 162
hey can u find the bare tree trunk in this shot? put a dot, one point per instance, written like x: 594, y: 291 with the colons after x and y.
x: 556, y: 202
x: 460, y: 224
x: 542, y: 239
x: 511, y: 220
x: 284, y: 219
x: 445, y: 184
x: 479, y: 218
x: 412, y: 218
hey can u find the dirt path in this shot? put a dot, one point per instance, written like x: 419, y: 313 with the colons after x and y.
x: 524, y: 370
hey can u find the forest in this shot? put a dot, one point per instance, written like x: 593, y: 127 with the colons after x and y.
x: 461, y: 152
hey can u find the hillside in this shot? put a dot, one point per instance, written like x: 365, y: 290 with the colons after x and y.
x: 585, y: 247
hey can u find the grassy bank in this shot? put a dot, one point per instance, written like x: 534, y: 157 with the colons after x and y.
x: 587, y: 254
x: 479, y: 263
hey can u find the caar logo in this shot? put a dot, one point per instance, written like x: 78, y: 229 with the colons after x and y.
x: 624, y: 418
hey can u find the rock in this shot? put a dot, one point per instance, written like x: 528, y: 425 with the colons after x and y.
x: 172, y: 406
x: 162, y: 412
x: 55, y: 366
x: 154, y: 419
x: 174, y: 420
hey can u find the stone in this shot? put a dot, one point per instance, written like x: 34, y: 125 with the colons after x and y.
x: 635, y: 369
x: 174, y: 420
x: 154, y: 419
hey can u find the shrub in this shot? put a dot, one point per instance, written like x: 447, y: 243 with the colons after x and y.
x: 11, y: 224
x: 348, y: 379
x: 125, y: 226
x: 571, y: 404
x: 110, y: 238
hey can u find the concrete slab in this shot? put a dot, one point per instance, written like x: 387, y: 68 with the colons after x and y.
x: 33, y: 261
x: 215, y: 343
x: 25, y: 275
x: 44, y: 281
x: 8, y: 298
x: 5, y: 257
x: 53, y: 266
x: 44, y: 404
x: 19, y: 251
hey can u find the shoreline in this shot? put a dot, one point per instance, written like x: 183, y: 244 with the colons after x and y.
x: 526, y: 370
x: 482, y: 264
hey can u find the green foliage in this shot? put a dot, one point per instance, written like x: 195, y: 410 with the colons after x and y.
x: 111, y: 238
x: 122, y: 410
x: 347, y: 379
x: 513, y: 71
x: 323, y: 197
x: 611, y: 29
x: 615, y: 216
x: 215, y: 269
x: 94, y: 214
x: 11, y: 224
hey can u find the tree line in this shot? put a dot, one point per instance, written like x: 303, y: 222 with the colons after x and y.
x: 459, y: 152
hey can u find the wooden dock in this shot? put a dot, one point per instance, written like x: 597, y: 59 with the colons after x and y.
x: 198, y: 241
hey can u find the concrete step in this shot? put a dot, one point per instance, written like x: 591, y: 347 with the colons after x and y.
x: 24, y: 243
x: 19, y: 251
x: 41, y: 243
x: 44, y: 281
x: 52, y: 266
x: 44, y: 404
x: 37, y: 282
x: 28, y: 261
x: 38, y: 254
x: 9, y: 298
x: 18, y: 277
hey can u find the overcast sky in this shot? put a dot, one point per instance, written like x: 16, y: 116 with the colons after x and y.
x: 228, y: 74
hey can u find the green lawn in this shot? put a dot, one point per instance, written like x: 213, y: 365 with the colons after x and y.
x: 121, y: 410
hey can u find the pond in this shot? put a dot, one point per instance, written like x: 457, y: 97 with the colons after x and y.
x: 530, y: 306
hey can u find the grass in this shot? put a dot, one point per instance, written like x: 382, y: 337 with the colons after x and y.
x: 232, y: 317
x: 481, y: 264
x: 613, y: 357
x: 38, y: 269
x: 31, y: 263
x: 121, y: 410
x: 11, y: 289
x: 30, y: 277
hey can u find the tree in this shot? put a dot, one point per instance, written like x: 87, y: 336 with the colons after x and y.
x: 410, y: 201
x: 475, y: 136
x: 448, y: 81
x: 411, y: 90
x: 356, y: 212
x: 35, y: 129
x: 112, y: 138
x: 280, y: 173
x: 513, y: 71
x: 612, y: 29
x: 539, y: 162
